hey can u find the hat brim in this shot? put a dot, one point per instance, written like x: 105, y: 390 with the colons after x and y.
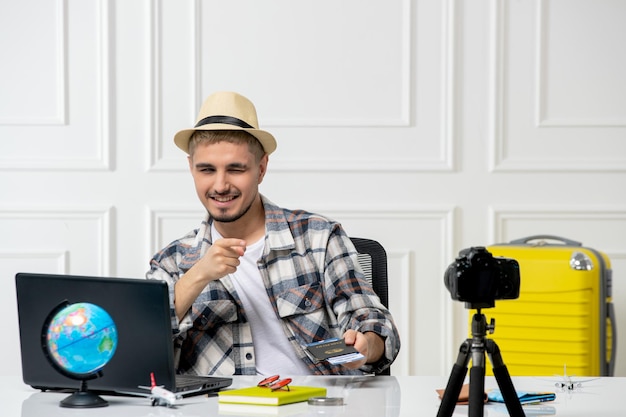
x: 181, y: 139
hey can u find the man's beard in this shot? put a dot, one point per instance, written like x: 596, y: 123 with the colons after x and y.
x: 225, y: 218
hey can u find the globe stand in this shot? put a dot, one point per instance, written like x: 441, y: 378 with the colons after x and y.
x: 83, y: 398
x: 72, y: 319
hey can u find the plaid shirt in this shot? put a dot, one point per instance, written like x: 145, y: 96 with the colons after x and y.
x: 310, y: 270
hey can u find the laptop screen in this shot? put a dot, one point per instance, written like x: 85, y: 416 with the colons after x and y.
x: 140, y: 310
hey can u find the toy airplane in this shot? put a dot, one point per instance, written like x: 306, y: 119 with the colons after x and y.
x: 567, y: 383
x: 158, y: 395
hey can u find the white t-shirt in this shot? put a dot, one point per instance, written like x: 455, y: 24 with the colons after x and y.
x: 274, y: 354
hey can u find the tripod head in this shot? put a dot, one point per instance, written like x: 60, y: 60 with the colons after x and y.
x: 480, y: 328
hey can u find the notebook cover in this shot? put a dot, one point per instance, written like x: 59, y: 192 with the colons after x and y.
x: 524, y: 397
x: 265, y: 396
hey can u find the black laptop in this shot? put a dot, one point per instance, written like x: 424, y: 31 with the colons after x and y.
x: 141, y: 311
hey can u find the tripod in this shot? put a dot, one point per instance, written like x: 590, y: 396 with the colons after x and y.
x: 476, y: 348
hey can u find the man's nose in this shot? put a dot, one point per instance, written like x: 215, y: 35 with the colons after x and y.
x: 221, y: 183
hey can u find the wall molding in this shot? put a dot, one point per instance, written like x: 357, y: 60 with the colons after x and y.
x: 60, y: 118
x: 60, y: 258
x: 499, y: 215
x: 103, y: 129
x: 102, y: 217
x: 541, y: 55
x: 444, y: 160
x: 402, y: 258
x: 157, y: 161
x: 499, y: 160
x: 155, y: 217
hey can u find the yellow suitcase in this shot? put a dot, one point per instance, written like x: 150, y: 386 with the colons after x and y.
x: 564, y: 315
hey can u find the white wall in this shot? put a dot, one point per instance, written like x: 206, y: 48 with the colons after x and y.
x: 430, y: 125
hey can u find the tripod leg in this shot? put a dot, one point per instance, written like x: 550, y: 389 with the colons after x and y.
x: 455, y: 382
x: 503, y: 378
x: 477, y: 381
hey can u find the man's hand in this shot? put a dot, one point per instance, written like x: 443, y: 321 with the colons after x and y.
x: 369, y: 344
x: 221, y: 259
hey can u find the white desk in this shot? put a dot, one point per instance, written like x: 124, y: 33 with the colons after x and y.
x: 369, y: 396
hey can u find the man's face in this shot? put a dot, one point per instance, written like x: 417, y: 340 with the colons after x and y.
x: 226, y: 176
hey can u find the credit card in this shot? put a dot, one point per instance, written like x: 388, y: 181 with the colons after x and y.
x: 335, y: 351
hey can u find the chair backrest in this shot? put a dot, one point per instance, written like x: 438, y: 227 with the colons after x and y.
x: 373, y: 262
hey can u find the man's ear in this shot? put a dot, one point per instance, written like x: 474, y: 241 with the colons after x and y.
x: 263, y: 167
x: 190, y: 160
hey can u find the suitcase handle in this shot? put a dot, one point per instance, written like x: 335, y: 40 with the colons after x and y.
x: 611, y: 363
x: 565, y: 241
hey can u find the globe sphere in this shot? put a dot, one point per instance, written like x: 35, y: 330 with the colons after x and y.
x: 81, y: 339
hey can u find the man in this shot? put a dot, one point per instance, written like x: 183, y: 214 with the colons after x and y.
x: 256, y: 283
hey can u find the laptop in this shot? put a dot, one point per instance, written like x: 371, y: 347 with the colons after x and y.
x: 140, y: 310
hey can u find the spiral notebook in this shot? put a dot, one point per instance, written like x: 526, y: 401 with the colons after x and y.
x: 141, y: 311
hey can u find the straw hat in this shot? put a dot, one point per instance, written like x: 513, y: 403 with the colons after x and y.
x: 226, y: 110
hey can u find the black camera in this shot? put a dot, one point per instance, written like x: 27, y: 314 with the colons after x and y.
x: 479, y: 278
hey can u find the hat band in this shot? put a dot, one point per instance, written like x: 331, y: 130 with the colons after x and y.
x: 224, y: 120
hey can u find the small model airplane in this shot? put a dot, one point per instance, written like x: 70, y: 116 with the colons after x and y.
x: 567, y: 383
x: 158, y: 395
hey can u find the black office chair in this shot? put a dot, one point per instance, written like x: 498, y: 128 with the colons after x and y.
x: 373, y: 262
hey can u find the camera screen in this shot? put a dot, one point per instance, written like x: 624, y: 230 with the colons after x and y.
x: 482, y: 287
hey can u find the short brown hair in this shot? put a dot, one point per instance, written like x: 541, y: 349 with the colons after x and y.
x: 230, y: 136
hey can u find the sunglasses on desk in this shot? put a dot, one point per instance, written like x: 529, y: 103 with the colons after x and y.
x: 275, y: 383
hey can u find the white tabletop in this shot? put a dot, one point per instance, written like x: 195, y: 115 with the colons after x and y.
x: 364, y: 396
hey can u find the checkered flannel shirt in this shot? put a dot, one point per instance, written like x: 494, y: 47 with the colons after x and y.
x: 314, y: 283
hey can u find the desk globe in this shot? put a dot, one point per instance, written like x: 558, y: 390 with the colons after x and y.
x: 79, y: 340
